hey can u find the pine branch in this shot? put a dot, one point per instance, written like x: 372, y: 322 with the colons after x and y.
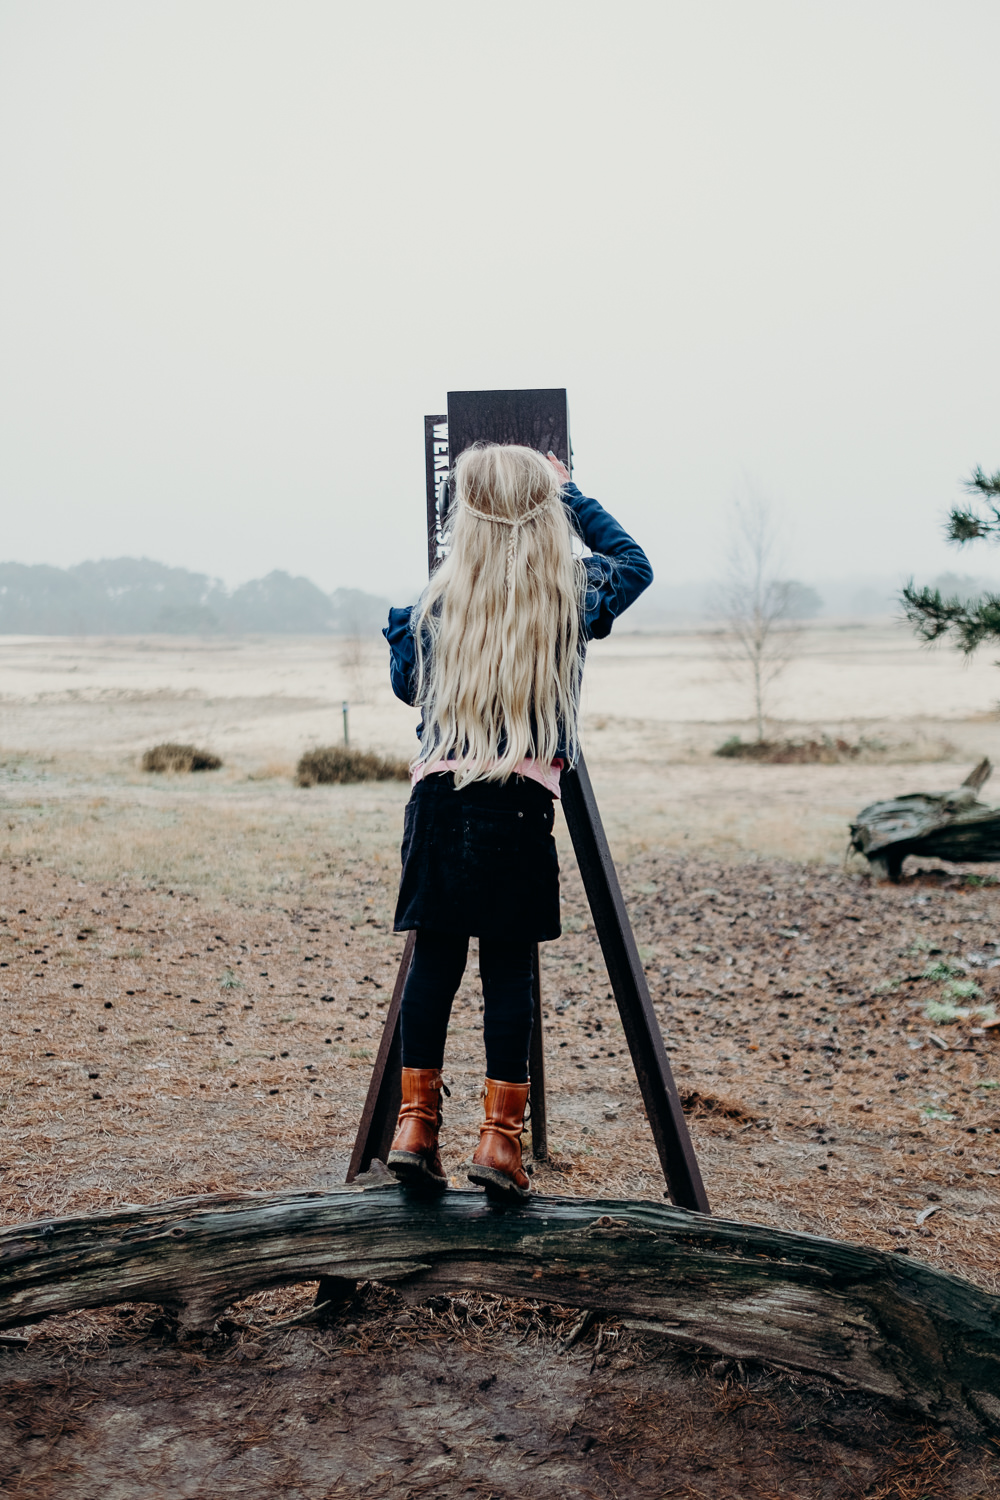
x: 983, y: 484
x: 969, y: 621
x: 965, y: 523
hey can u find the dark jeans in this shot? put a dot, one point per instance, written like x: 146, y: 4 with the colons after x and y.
x: 438, y: 965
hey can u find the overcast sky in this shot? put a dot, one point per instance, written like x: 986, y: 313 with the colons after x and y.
x: 246, y: 246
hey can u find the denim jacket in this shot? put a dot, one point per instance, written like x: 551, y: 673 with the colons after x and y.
x: 617, y: 573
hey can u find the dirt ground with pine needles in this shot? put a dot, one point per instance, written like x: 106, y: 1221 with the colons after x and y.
x: 162, y: 1040
x: 194, y: 971
x: 463, y: 1397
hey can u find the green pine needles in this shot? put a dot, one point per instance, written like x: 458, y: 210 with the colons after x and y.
x: 966, y: 524
x: 970, y: 622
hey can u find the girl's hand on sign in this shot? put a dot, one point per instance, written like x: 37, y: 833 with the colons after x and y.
x: 559, y: 467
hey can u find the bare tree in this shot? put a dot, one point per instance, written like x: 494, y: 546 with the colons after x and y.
x: 761, y: 610
x: 354, y: 659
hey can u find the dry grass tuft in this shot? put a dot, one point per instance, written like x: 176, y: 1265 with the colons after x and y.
x: 336, y: 763
x: 822, y: 752
x: 179, y: 758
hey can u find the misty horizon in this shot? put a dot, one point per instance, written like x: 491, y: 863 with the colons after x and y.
x: 141, y: 595
x: 232, y: 281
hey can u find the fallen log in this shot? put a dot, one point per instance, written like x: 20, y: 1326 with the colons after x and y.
x: 870, y: 1320
x: 954, y: 826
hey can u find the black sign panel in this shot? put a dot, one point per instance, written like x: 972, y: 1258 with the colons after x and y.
x: 535, y: 419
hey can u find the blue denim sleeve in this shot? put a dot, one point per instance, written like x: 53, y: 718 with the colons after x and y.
x: 402, y: 654
x: 617, y: 572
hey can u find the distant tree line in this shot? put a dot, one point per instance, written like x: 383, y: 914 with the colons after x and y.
x: 134, y: 596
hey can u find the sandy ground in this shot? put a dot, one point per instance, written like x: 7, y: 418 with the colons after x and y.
x: 271, y: 697
x: 76, y: 714
x: 194, y: 974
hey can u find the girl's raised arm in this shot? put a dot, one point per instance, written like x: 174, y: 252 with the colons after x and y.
x: 617, y: 572
x: 403, y: 654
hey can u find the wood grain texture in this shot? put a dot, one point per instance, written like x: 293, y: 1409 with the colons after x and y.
x: 872, y: 1321
x: 948, y: 825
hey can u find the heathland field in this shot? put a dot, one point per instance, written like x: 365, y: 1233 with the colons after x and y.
x: 76, y: 714
x: 195, y: 969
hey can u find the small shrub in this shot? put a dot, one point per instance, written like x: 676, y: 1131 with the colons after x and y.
x: 828, y: 750
x: 171, y: 757
x: 824, y: 751
x: 336, y: 763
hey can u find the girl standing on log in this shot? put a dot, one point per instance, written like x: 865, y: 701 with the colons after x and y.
x: 493, y: 653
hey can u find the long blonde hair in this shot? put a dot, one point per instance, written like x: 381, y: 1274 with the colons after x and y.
x: 497, y: 630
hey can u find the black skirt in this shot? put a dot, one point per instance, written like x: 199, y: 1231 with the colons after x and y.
x: 480, y: 861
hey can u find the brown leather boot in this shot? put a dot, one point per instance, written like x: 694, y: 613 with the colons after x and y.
x: 496, y: 1165
x: 414, y: 1157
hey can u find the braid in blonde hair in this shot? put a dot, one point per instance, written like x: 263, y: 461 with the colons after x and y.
x: 514, y: 524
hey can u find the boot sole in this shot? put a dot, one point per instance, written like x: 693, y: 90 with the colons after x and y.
x: 412, y: 1171
x: 499, y: 1187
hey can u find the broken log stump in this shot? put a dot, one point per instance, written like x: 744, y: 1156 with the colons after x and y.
x: 870, y: 1320
x: 954, y: 826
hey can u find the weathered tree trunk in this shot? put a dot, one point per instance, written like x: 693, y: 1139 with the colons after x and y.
x: 950, y: 825
x: 873, y: 1321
